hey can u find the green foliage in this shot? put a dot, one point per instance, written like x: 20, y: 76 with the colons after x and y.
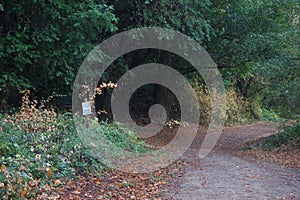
x: 238, y: 108
x: 269, y: 115
x: 187, y: 16
x: 287, y: 134
x: 40, y: 157
x: 43, y: 43
x: 254, y: 43
x: 39, y: 147
x: 123, y: 138
x: 257, y: 49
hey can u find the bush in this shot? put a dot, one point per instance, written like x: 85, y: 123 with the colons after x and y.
x: 269, y: 115
x: 288, y: 134
x: 204, y: 103
x: 238, y: 109
x: 33, y: 159
x: 40, y: 148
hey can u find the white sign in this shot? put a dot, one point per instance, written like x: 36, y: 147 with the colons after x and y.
x: 86, y: 108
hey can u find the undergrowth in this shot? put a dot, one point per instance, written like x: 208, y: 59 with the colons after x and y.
x: 40, y: 149
x: 238, y: 109
x: 288, y: 134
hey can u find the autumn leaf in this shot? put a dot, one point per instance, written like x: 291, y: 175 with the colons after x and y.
x: 97, y: 181
x: 76, y: 192
x: 70, y: 183
x: 57, y: 182
x: 23, y: 193
x: 48, y: 171
x: 3, y: 168
x: 256, y: 176
x: 22, y: 168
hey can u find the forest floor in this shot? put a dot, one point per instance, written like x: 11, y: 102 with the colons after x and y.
x: 226, y: 173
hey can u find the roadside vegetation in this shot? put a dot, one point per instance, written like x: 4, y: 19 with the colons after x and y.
x: 282, y: 147
x: 40, y: 149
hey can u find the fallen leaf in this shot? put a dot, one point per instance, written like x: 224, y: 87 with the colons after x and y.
x: 70, y: 183
x: 3, y: 168
x: 23, y: 193
x: 120, y: 185
x: 88, y: 195
x: 97, y: 181
x: 75, y: 192
x: 22, y: 168
x: 256, y: 176
x: 48, y: 171
x: 57, y: 182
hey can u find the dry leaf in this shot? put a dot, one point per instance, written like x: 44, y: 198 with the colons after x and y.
x: 76, y: 192
x: 3, y: 168
x: 57, y: 182
x: 97, y: 180
x: 256, y: 176
x: 70, y: 183
x: 22, y: 168
x: 48, y: 171
x: 61, y: 189
x: 23, y: 193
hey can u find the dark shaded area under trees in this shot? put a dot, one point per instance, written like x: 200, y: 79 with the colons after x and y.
x: 255, y: 44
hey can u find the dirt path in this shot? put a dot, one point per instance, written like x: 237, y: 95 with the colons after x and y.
x: 224, y: 175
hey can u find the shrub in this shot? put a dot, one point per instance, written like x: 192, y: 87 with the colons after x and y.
x: 287, y: 134
x: 269, y: 115
x: 40, y: 148
x: 35, y: 158
x: 238, y: 109
x: 204, y: 103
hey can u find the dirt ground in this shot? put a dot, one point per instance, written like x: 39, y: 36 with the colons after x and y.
x: 226, y: 173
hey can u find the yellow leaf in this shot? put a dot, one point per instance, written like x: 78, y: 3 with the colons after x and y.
x: 97, y: 180
x: 3, y: 168
x: 48, y: 171
x: 70, y: 183
x: 23, y: 193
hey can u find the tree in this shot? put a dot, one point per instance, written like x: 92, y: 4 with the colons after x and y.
x: 43, y: 43
x: 257, y: 49
x: 187, y: 16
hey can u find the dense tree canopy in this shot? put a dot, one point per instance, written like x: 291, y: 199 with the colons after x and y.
x: 43, y: 42
x: 255, y: 43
